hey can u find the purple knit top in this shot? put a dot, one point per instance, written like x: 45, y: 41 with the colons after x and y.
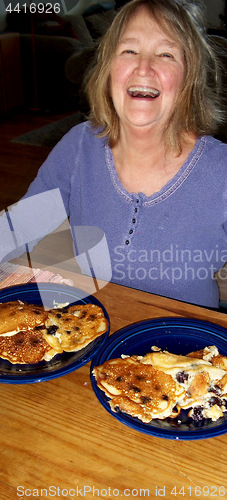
x: 170, y: 243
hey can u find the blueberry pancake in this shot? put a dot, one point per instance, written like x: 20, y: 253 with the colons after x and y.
x: 138, y: 389
x: 29, y: 334
x: 161, y: 384
x: 72, y: 328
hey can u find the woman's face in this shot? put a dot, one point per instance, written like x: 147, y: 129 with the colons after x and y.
x: 147, y: 73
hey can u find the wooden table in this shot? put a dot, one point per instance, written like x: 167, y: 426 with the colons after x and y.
x: 57, y: 441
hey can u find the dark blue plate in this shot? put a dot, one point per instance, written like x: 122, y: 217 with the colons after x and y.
x: 179, y: 336
x: 49, y: 294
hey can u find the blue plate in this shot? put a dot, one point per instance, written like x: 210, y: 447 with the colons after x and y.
x: 48, y: 294
x: 179, y: 336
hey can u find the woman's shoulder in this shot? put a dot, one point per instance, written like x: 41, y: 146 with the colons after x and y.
x: 215, y: 144
x: 214, y: 151
x: 83, y: 128
x: 80, y: 133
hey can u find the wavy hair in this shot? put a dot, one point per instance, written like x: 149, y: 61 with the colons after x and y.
x: 197, y: 108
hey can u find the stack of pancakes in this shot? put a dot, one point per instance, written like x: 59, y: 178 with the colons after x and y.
x: 161, y: 384
x: 29, y: 334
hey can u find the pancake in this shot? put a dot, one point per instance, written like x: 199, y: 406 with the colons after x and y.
x: 72, y: 328
x: 29, y: 334
x: 138, y: 389
x: 18, y: 316
x: 21, y: 333
x: 26, y: 346
x: 161, y: 384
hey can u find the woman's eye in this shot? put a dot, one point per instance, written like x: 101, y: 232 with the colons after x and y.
x: 166, y: 54
x: 129, y: 51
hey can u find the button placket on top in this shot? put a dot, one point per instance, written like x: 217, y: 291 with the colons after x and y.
x: 131, y: 198
x: 133, y: 222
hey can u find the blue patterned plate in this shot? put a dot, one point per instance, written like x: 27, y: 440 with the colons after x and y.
x: 61, y: 364
x: 179, y: 336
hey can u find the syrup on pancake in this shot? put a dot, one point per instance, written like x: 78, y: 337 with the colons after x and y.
x: 160, y: 384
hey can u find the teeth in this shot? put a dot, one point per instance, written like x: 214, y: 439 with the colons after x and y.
x: 145, y: 91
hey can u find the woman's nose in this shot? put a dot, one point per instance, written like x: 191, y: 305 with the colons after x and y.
x: 145, y: 65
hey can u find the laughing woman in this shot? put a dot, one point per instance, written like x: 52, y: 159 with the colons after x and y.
x: 145, y: 168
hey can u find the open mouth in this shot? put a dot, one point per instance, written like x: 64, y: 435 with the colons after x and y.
x: 143, y: 92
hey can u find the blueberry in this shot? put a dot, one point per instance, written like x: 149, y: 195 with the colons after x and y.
x: 181, y: 377
x: 52, y: 329
x: 197, y: 414
x: 134, y: 388
x: 216, y: 389
x: 215, y: 401
x: 145, y: 399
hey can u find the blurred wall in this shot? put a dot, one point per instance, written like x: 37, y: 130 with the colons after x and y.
x: 214, y: 8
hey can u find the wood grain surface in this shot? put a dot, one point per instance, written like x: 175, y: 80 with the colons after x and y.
x: 57, y: 441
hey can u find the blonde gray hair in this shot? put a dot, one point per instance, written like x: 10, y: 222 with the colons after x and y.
x: 197, y: 108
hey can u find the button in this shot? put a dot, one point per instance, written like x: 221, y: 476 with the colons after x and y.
x: 127, y: 242
x: 131, y: 231
x: 133, y: 220
x: 136, y: 210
